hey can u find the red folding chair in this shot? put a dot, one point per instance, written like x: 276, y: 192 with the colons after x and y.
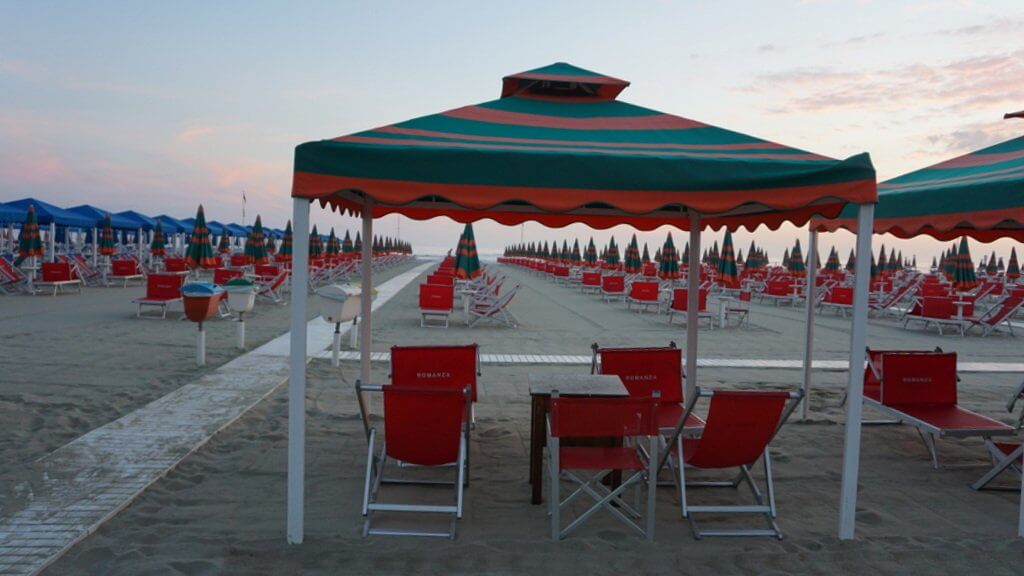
x: 1005, y: 455
x: 740, y: 426
x: 424, y: 427
x: 634, y: 422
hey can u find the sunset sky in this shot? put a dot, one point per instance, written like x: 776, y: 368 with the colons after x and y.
x: 158, y: 106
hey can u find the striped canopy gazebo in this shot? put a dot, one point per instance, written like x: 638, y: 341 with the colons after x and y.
x: 559, y: 147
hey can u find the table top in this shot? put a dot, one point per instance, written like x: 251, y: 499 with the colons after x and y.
x: 577, y: 385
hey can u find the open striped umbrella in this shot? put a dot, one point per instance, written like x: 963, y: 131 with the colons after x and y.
x: 224, y: 246
x: 346, y: 244
x: 333, y: 247
x: 156, y: 246
x: 612, y: 255
x: 256, y: 244
x: 668, y: 264
x: 316, y: 245
x: 728, y: 275
x: 467, y: 262
x: 200, y: 248
x: 591, y: 255
x: 632, y: 263
x: 285, y: 253
x: 29, y: 242
x: 964, y: 278
x: 577, y: 257
x: 796, y: 261
x: 1013, y: 267
x: 106, y: 246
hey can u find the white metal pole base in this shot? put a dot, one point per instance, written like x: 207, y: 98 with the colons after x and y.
x: 336, y: 346
x: 201, y: 346
x: 240, y: 342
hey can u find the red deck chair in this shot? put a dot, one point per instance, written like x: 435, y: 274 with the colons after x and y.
x: 740, y: 307
x: 591, y: 282
x: 620, y: 418
x: 162, y: 290
x: 57, y: 275
x: 424, y: 427
x: 680, y: 303
x: 175, y: 265
x: 11, y: 277
x: 271, y: 289
x: 1005, y: 455
x: 839, y: 298
x: 221, y: 276
x: 644, y: 294
x: 781, y: 290
x: 920, y: 388
x: 740, y: 426
x: 1000, y: 313
x: 613, y: 287
x: 451, y: 366
x: 125, y: 269
x: 436, y: 301
x: 937, y: 310
x: 266, y: 271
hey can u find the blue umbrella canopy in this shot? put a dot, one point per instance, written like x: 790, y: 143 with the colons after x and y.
x: 47, y: 213
x: 172, y: 225
x: 141, y: 220
x: 238, y: 230
x: 99, y: 215
x: 10, y: 214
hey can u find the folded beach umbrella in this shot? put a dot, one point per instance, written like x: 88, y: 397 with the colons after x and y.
x: 156, y: 246
x: 894, y: 261
x: 256, y: 244
x: 467, y: 264
x: 316, y: 245
x: 646, y: 258
x: 785, y: 259
x: 285, y: 252
x: 964, y: 278
x: 591, y: 255
x: 796, y: 260
x: 106, y: 245
x: 851, y: 261
x: 883, y: 261
x: 728, y: 275
x: 875, y: 275
x: 358, y: 245
x: 992, y: 268
x: 668, y: 263
x: 29, y: 242
x: 576, y: 258
x: 1001, y: 267
x: 331, y: 248
x: 200, y: 248
x: 271, y: 245
x: 1013, y: 267
x: 612, y: 255
x: 346, y: 244
x: 685, y: 260
x: 632, y: 263
x: 224, y: 245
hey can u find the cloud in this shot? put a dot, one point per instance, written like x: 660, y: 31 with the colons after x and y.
x: 194, y: 133
x: 767, y: 48
x: 857, y: 40
x: 975, y: 136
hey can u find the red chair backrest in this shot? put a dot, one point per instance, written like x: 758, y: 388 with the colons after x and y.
x: 680, y: 300
x: 56, y: 271
x: 650, y: 270
x: 222, y: 275
x: 441, y: 279
x: 591, y: 278
x: 174, y: 264
x: 603, y: 417
x: 613, y: 283
x: 239, y: 260
x: 164, y: 286
x: 643, y: 370
x: 124, y: 267
x: 643, y: 290
x: 453, y: 367
x: 436, y: 297
x: 840, y: 295
x: 915, y: 378
x: 779, y: 287
x: 267, y: 270
x: 562, y: 271
x: 932, y: 289
x: 745, y: 296
x: 939, y: 307
x: 423, y: 426
x: 740, y: 424
x: 1006, y: 307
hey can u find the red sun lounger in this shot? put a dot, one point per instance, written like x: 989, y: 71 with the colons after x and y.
x: 591, y: 282
x: 839, y: 298
x: 57, y: 275
x: 424, y: 427
x: 920, y: 388
x: 125, y: 270
x: 643, y: 294
x: 1005, y: 455
x: 632, y: 419
x: 613, y: 287
x: 935, y: 310
x: 162, y: 290
x: 436, y: 301
x: 998, y: 315
x: 680, y: 303
x: 740, y: 426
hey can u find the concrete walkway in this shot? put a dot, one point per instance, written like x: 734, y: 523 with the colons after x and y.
x: 89, y: 480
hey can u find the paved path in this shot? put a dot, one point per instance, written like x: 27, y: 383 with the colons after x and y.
x: 92, y: 478
x: 563, y: 359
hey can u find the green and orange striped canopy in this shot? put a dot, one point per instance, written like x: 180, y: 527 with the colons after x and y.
x: 256, y: 244
x: 285, y: 252
x: 1013, y: 267
x: 728, y: 275
x: 467, y: 261
x: 668, y: 264
x: 29, y: 242
x: 980, y: 195
x: 156, y: 245
x: 106, y: 245
x: 558, y: 147
x: 631, y: 263
x: 200, y: 247
x: 316, y: 244
x: 964, y: 278
x: 224, y: 244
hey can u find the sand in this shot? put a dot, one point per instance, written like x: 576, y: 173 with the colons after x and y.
x: 222, y: 510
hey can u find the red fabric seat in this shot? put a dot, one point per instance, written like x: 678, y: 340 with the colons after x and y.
x: 951, y: 418
x: 599, y: 458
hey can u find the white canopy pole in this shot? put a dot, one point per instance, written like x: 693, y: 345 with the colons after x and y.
x: 810, y: 296
x: 1020, y: 521
x: 855, y: 385
x: 53, y: 241
x: 692, y: 306
x: 365, y: 336
x: 95, y: 248
x: 297, y: 373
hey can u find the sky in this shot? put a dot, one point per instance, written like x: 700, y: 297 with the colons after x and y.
x: 158, y: 106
